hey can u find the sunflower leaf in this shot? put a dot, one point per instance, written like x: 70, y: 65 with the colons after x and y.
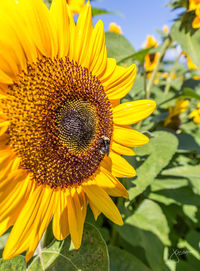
x: 189, y: 93
x: 118, y: 47
x: 92, y: 255
x: 122, y: 260
x: 147, y: 227
x: 188, y: 40
x: 99, y: 11
x: 15, y: 264
x: 183, y: 171
x: 160, y: 150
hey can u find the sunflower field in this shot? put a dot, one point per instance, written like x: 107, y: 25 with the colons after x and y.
x: 99, y: 142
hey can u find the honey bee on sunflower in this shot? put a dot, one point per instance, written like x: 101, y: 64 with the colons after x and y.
x: 63, y: 130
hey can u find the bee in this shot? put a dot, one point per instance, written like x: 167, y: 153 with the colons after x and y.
x: 104, y: 145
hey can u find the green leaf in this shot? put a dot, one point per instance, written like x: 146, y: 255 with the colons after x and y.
x: 187, y: 143
x: 189, y: 93
x: 192, y: 243
x: 140, y: 55
x: 92, y: 255
x: 167, y: 183
x: 99, y: 11
x: 191, y: 84
x: 15, y: 264
x: 189, y: 42
x: 183, y: 171
x: 149, y: 216
x: 121, y: 260
x: 138, y: 88
x: 118, y: 46
x: 195, y: 185
x: 191, y: 212
x: 180, y: 196
x: 160, y: 149
x: 147, y: 240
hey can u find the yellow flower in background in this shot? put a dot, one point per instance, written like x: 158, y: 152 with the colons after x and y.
x: 62, y: 129
x: 165, y: 75
x: 151, y: 59
x: 194, y: 4
x: 157, y: 78
x: 191, y: 66
x: 113, y: 27
x: 181, y: 106
x: 190, y: 63
x: 76, y: 5
x: 165, y: 29
x: 196, y: 114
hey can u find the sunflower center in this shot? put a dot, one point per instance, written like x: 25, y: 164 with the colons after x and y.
x: 76, y: 122
x: 151, y: 57
x: 60, y: 122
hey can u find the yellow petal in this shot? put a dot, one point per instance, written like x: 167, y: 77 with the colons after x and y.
x: 102, y: 202
x: 75, y: 219
x: 4, y: 141
x: 60, y: 219
x: 110, y: 184
x: 83, y: 34
x: 3, y: 127
x: 97, y: 50
x: 83, y: 202
x: 4, y: 78
x: 12, y: 57
x: 95, y: 211
x: 120, y: 167
x: 39, y: 25
x: 18, y: 240
x: 10, y: 170
x: 13, y: 203
x: 109, y: 70
x: 121, y: 81
x: 122, y: 149
x: 19, y: 28
x: 59, y: 14
x: 72, y: 34
x: 128, y: 137
x: 42, y: 220
x: 7, y: 165
x: 132, y: 112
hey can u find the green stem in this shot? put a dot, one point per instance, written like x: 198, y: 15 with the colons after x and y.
x: 114, y: 236
x: 145, y: 79
x: 173, y: 70
x: 153, y: 76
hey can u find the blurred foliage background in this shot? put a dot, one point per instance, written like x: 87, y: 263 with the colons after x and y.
x: 161, y: 230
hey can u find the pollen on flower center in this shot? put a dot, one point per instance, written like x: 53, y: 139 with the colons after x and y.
x: 58, y: 113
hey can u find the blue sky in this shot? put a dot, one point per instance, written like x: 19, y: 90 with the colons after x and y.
x: 137, y: 18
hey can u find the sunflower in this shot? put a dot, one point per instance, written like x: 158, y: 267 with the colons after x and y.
x: 63, y: 130
x: 165, y: 29
x: 195, y: 114
x: 173, y: 120
x: 113, y: 27
x: 194, y: 4
x: 152, y: 58
x: 191, y: 66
